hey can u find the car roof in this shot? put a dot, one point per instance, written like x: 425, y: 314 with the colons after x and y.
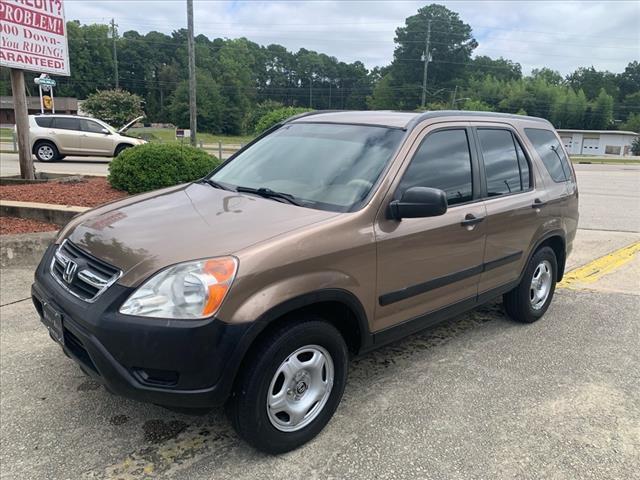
x: 396, y: 119
x: 66, y: 115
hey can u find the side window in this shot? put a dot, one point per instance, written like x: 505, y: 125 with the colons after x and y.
x: 89, y: 126
x: 66, y: 123
x: 551, y: 153
x: 442, y: 161
x: 44, y: 122
x: 501, y: 163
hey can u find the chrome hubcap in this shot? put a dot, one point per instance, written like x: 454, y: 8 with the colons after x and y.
x: 540, y: 285
x: 300, y: 388
x: 45, y: 152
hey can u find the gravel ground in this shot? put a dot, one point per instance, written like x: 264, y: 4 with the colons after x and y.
x: 13, y: 225
x: 87, y: 193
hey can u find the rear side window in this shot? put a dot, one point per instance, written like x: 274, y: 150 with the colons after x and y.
x: 66, y: 123
x: 44, y: 122
x: 505, y: 172
x: 551, y: 153
x: 443, y: 161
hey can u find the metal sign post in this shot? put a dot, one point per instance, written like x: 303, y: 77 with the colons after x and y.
x: 46, y: 84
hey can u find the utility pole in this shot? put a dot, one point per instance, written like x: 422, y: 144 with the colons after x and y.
x: 193, y: 123
x: 310, y: 91
x: 22, y: 123
x: 453, y: 100
x: 427, y: 54
x: 114, y: 35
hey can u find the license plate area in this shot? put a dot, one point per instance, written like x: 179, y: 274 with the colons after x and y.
x: 53, y: 321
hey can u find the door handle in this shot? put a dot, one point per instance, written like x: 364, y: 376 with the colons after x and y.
x: 470, y: 220
x: 537, y: 203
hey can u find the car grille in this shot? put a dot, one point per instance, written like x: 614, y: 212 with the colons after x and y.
x: 81, y: 274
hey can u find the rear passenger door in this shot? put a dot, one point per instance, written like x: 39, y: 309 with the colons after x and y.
x: 65, y: 133
x: 509, y: 191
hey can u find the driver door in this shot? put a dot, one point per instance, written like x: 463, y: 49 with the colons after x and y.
x: 94, y: 140
x: 429, y: 264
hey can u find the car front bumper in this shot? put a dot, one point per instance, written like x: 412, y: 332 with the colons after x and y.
x: 180, y: 363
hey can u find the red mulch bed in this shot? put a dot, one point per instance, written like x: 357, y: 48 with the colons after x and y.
x: 86, y: 193
x: 12, y: 225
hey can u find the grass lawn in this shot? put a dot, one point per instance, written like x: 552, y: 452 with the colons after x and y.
x: 6, y: 133
x: 168, y: 135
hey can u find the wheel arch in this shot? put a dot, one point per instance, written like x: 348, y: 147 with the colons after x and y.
x: 556, y: 240
x: 121, y: 146
x: 38, y: 141
x: 341, y: 308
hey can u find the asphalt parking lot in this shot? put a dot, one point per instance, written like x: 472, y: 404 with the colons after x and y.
x: 477, y: 397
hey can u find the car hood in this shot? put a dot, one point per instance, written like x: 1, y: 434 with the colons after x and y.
x: 126, y: 127
x: 141, y: 235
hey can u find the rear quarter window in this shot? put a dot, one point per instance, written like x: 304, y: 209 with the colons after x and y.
x: 548, y: 147
x: 44, y: 122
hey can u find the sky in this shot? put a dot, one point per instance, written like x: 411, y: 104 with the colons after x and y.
x: 562, y: 35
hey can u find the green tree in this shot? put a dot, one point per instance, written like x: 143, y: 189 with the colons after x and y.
x: 273, y: 117
x: 602, y: 111
x: 209, y: 101
x: 116, y: 107
x: 550, y: 76
x: 476, y: 105
x: 593, y: 81
x: 499, y: 68
x: 451, y: 48
x: 632, y: 124
x: 635, y: 146
x: 383, y: 97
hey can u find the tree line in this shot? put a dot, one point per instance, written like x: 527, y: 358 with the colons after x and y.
x: 238, y: 79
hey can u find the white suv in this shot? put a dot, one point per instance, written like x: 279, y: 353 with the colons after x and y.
x: 52, y: 137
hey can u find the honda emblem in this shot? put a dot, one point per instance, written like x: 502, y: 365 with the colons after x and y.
x: 69, y: 271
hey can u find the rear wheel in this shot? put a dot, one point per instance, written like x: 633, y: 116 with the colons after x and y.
x: 46, y: 152
x: 292, y: 386
x: 530, y: 300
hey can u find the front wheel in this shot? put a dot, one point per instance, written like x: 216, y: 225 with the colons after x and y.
x: 120, y: 149
x: 530, y: 300
x: 292, y: 386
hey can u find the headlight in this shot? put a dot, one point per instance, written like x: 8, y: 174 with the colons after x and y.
x: 185, y: 291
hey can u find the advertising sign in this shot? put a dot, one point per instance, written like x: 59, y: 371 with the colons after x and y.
x: 34, y: 36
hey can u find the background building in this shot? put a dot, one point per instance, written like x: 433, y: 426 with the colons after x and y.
x: 597, y: 142
x: 68, y: 105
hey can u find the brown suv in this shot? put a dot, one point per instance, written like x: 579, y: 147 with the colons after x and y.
x: 331, y: 234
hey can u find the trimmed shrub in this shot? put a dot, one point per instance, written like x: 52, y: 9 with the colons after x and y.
x: 152, y: 166
x: 268, y: 120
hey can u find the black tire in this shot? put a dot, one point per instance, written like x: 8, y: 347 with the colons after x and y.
x: 518, y: 302
x: 119, y: 149
x: 46, y: 152
x: 247, y: 408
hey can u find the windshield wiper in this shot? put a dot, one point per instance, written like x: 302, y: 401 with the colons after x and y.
x: 215, y: 184
x: 268, y: 193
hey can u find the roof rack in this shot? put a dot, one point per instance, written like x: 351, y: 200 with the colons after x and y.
x: 467, y: 113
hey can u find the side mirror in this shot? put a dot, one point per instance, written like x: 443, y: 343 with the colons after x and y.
x: 419, y: 202
x: 105, y: 131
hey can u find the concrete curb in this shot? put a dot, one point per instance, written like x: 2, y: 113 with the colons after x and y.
x: 25, y: 249
x: 44, y: 212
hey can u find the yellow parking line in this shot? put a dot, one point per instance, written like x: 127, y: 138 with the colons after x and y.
x: 593, y: 271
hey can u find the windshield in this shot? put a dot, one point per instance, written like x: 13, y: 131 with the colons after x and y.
x: 325, y: 166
